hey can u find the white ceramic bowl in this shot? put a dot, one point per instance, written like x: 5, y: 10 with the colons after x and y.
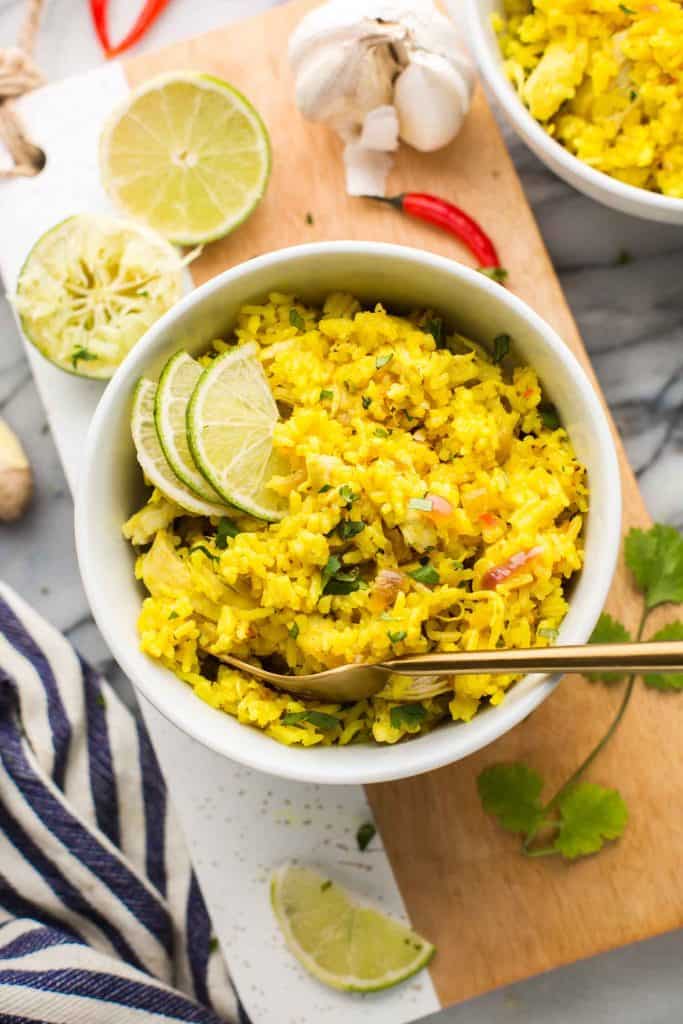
x: 485, y: 49
x: 111, y: 488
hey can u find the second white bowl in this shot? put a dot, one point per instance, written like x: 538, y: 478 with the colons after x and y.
x: 483, y: 43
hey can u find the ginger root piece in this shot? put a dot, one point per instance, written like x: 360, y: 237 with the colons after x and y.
x: 16, y: 478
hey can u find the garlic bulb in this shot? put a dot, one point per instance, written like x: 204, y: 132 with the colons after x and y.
x: 377, y: 71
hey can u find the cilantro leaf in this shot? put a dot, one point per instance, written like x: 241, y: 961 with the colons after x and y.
x: 365, y: 834
x: 549, y: 416
x: 296, y: 320
x: 667, y: 680
x: 435, y: 328
x: 347, y: 493
x: 81, y: 354
x: 655, y: 557
x: 381, y: 432
x: 320, y: 719
x: 309, y: 218
x: 205, y: 551
x: 396, y: 637
x: 426, y: 574
x: 334, y: 581
x: 501, y: 347
x: 512, y: 792
x: 293, y: 630
x: 325, y: 488
x: 589, y: 814
x: 607, y: 631
x: 381, y: 361
x: 347, y: 528
x: 326, y: 393
x: 407, y: 715
x: 367, y: 401
x: 226, y: 528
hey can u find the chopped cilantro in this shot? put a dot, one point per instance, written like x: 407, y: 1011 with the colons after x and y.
x: 309, y: 218
x: 501, y: 347
x: 625, y: 9
x: 347, y: 493
x: 293, y: 631
x: 380, y: 432
x: 320, y: 719
x: 381, y: 361
x: 633, y: 95
x: 367, y: 401
x: 325, y: 488
x: 420, y: 504
x: 407, y: 715
x: 396, y: 637
x: 365, y: 834
x: 173, y: 615
x: 296, y: 320
x: 83, y: 355
x: 426, y: 574
x: 549, y: 416
x: 226, y: 529
x: 326, y: 393
x: 435, y: 328
x: 205, y: 551
x: 340, y: 583
x: 348, y: 528
x: 498, y: 274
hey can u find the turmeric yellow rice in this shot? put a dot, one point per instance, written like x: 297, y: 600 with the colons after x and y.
x: 605, y: 78
x: 434, y: 502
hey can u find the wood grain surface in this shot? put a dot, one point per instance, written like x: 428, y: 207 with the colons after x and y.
x: 495, y: 916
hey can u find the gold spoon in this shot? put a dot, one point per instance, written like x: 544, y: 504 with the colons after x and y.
x: 348, y: 683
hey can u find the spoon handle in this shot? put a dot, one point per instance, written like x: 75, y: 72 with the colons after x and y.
x: 659, y: 656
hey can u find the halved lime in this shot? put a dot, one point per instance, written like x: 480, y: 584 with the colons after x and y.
x: 152, y: 459
x: 90, y: 288
x: 345, y: 945
x: 176, y: 384
x: 188, y: 155
x: 230, y: 423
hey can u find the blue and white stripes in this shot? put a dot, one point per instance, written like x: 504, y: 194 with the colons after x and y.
x: 101, y: 918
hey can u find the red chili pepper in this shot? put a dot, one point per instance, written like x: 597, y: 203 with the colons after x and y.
x: 98, y: 10
x: 147, y: 16
x: 454, y: 220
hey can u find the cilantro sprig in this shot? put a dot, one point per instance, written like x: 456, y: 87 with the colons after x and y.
x: 582, y: 816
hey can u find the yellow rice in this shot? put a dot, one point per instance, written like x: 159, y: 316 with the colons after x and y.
x: 605, y: 78
x: 405, y: 418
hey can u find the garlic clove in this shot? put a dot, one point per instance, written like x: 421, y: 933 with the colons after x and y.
x: 380, y: 129
x: 321, y: 81
x: 16, y: 479
x: 366, y: 170
x: 432, y: 98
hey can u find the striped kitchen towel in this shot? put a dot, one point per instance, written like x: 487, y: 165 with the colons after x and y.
x: 101, y: 918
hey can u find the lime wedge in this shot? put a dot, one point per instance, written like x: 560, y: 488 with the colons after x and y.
x: 230, y: 422
x: 176, y: 384
x: 345, y: 945
x: 186, y: 154
x: 152, y: 459
x: 91, y: 287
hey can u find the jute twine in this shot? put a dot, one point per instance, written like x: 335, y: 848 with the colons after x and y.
x: 18, y: 75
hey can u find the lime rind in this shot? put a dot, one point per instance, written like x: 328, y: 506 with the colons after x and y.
x: 165, y: 158
x: 178, y: 380
x: 329, y: 933
x: 151, y: 457
x: 234, y: 451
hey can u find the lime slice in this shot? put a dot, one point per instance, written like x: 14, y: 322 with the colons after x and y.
x: 186, y: 154
x: 91, y: 287
x: 345, y: 945
x: 230, y: 422
x: 176, y: 384
x: 152, y: 459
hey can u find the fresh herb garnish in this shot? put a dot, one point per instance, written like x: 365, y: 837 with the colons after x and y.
x: 320, y: 719
x: 549, y: 416
x: 625, y: 9
x: 338, y: 582
x: 365, y: 834
x: 407, y: 714
x: 225, y: 530
x: 326, y: 393
x: 498, y: 274
x: 347, y: 493
x: 501, y: 347
x: 633, y: 95
x: 173, y: 615
x: 381, y: 361
x: 367, y: 401
x: 296, y: 320
x: 396, y: 637
x: 348, y: 528
x: 81, y: 354
x: 380, y: 432
x: 420, y: 504
x: 581, y: 817
x: 325, y: 488
x: 435, y: 328
x: 426, y: 574
x: 309, y: 218
x: 205, y: 551
x: 293, y: 631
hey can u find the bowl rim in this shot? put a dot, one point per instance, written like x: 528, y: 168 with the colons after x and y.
x: 423, y: 754
x: 532, y: 132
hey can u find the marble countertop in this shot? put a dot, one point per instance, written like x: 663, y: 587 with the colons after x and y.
x: 622, y: 278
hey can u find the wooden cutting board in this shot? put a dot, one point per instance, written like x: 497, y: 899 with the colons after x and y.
x: 495, y: 916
